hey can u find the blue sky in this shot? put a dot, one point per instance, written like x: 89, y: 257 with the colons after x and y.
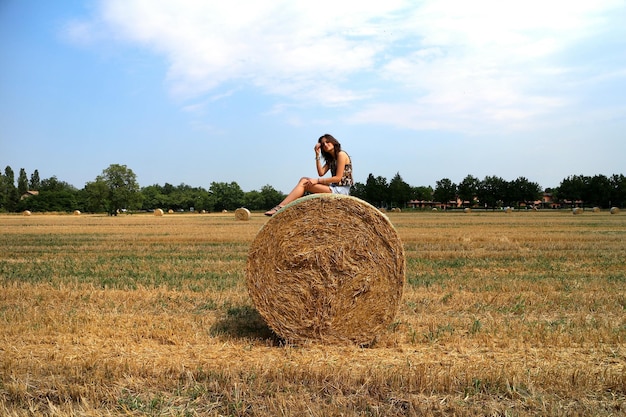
x: 198, y: 91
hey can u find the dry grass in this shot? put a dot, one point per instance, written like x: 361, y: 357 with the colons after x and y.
x: 520, y: 314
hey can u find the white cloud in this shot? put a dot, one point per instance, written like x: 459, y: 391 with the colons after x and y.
x: 440, y: 64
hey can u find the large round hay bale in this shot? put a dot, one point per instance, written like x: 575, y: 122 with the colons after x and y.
x: 327, y: 268
x: 577, y: 210
x: 596, y: 209
x: 242, y: 214
x: 158, y: 212
x: 467, y: 210
x: 26, y: 213
x: 508, y: 210
x: 170, y: 211
x: 614, y: 210
x: 76, y: 212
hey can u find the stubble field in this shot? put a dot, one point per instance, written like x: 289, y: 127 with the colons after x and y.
x: 517, y: 314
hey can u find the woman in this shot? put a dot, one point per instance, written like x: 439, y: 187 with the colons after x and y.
x: 336, y: 161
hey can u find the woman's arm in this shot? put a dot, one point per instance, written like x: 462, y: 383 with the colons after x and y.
x: 342, y: 160
x: 321, y: 169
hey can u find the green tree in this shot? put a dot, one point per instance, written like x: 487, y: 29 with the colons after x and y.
x: 376, y: 191
x: 35, y: 182
x: 3, y: 192
x: 253, y: 200
x: 468, y: 188
x: 227, y: 196
x: 445, y: 191
x: 54, y: 195
x: 271, y: 197
x: 399, y: 191
x: 491, y: 191
x: 422, y: 193
x: 617, y: 196
x: 123, y: 189
x: 599, y: 191
x: 358, y: 190
x: 54, y: 184
x: 525, y: 191
x: 22, y: 182
x: 96, y: 196
x: 11, y: 195
x: 572, y: 188
x: 153, y: 197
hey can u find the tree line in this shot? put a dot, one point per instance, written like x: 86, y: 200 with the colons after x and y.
x: 116, y: 190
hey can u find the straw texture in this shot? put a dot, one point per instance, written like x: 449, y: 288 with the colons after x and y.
x: 242, y: 214
x: 327, y: 268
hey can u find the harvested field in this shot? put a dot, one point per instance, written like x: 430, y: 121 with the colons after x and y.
x: 518, y: 314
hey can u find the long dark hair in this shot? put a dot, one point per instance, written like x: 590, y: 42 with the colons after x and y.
x: 328, y: 157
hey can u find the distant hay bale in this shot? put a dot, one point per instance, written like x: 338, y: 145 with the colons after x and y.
x: 596, y: 209
x: 26, y: 213
x: 242, y: 214
x: 170, y: 211
x: 327, y: 268
x: 508, y: 210
x: 158, y: 212
x: 76, y: 212
x: 577, y: 210
x: 396, y: 210
x: 467, y: 210
x: 434, y: 208
x: 203, y: 212
x: 614, y: 210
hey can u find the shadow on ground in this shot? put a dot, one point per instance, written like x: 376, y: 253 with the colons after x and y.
x: 244, y: 322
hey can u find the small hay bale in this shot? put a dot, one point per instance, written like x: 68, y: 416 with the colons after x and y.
x: 596, y: 209
x: 158, y: 212
x: 614, y: 210
x: 170, y: 211
x: 508, y: 210
x: 577, y: 210
x: 327, y: 268
x: 242, y: 214
x: 467, y: 210
x: 26, y: 213
x: 396, y: 210
x: 76, y: 212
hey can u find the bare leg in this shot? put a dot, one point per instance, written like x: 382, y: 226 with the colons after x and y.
x: 298, y: 191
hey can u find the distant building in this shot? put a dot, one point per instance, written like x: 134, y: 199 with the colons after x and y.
x: 29, y: 193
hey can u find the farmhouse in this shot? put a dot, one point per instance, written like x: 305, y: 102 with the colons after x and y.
x: 29, y: 193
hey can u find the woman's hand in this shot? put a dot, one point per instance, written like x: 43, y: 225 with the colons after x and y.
x: 311, y: 182
x: 317, y: 148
